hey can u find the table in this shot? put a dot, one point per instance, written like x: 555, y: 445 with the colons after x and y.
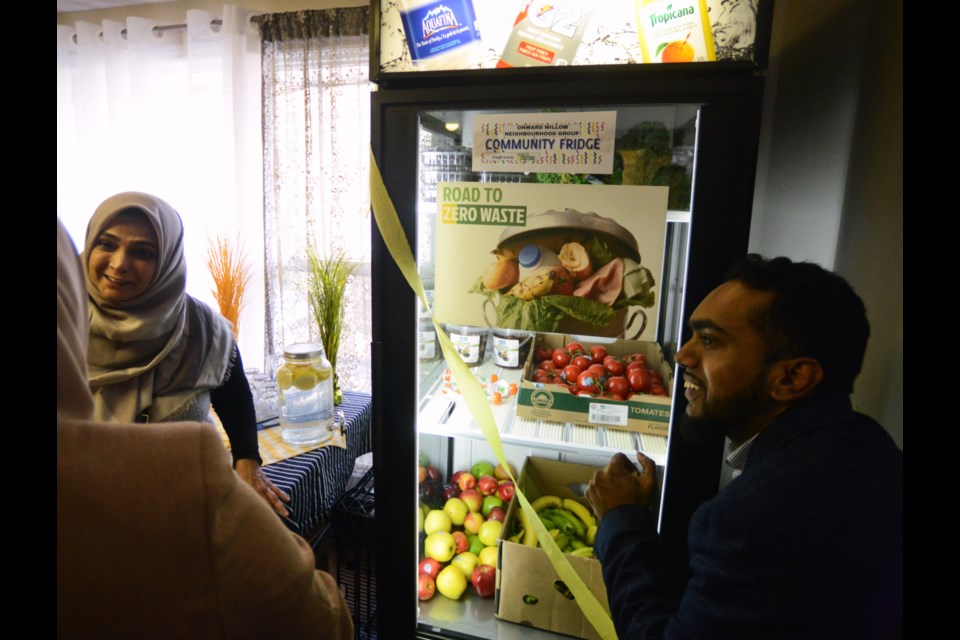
x: 316, y: 479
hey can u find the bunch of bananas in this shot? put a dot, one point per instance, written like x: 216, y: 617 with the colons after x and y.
x: 569, y: 523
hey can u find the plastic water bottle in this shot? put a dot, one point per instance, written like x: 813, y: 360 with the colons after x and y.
x: 535, y: 259
x: 441, y: 34
x: 305, y: 380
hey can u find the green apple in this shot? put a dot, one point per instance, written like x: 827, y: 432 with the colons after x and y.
x: 488, y: 555
x: 423, y: 459
x: 475, y: 545
x: 451, y: 582
x: 489, y: 532
x: 420, y: 519
x: 457, y: 510
x: 440, y: 546
x: 489, y: 502
x: 482, y: 468
x: 466, y: 562
x: 437, y: 520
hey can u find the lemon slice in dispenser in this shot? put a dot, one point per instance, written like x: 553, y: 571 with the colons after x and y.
x: 284, y: 378
x: 323, y: 374
x: 305, y: 378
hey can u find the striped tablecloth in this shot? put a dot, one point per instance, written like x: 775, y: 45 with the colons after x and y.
x: 315, y: 479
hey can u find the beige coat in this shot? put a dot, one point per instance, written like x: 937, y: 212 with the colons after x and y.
x: 157, y: 537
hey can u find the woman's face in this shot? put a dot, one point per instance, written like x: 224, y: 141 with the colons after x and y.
x: 123, y: 259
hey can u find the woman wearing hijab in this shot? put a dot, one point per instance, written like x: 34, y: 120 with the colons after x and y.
x: 181, y: 558
x: 156, y: 354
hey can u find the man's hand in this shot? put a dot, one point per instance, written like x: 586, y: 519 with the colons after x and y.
x: 249, y: 470
x: 619, y: 483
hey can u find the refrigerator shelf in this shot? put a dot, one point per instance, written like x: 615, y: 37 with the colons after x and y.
x: 446, y: 414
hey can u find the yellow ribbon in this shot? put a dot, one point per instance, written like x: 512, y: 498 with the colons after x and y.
x: 388, y: 222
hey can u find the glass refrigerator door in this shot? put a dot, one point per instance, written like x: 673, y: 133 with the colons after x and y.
x: 655, y: 145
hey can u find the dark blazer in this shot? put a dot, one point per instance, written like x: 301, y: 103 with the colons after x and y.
x: 806, y: 543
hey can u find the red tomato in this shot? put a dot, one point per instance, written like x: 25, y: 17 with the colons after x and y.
x: 574, y: 348
x: 639, y: 379
x: 614, y: 367
x: 564, y: 285
x: 570, y: 373
x: 614, y: 396
x: 581, y: 361
x: 618, y: 385
x: 547, y: 365
x: 561, y: 358
x: 589, y: 382
x: 657, y: 390
x: 543, y: 354
x: 639, y: 357
x: 598, y: 352
x: 598, y: 369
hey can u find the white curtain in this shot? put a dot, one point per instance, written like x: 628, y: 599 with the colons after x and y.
x: 316, y: 132
x: 175, y: 113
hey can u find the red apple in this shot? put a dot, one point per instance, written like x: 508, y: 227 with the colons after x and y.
x: 455, y: 478
x: 426, y: 586
x: 488, y: 485
x: 506, y: 490
x: 422, y: 473
x: 450, y: 491
x: 434, y: 474
x: 430, y: 567
x: 497, y: 513
x: 466, y: 481
x: 463, y: 544
x: 473, y: 521
x: 473, y: 499
x: 484, y: 580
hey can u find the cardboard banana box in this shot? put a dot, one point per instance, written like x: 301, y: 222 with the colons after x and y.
x: 529, y: 591
x: 643, y: 413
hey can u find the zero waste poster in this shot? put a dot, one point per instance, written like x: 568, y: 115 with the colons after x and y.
x: 577, y: 259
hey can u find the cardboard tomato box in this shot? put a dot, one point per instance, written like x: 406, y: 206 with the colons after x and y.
x: 529, y: 591
x: 643, y: 413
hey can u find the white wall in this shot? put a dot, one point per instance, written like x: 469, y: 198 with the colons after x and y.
x: 830, y: 175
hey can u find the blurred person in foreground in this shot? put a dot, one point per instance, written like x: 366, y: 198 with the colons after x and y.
x: 807, y: 540
x: 146, y: 554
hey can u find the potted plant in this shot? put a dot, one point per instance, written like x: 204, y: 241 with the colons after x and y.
x: 327, y: 285
x: 231, y: 275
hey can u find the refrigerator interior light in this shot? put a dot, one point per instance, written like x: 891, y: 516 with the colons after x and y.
x: 451, y: 126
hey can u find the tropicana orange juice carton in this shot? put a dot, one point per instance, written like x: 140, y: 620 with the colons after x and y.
x: 674, y: 31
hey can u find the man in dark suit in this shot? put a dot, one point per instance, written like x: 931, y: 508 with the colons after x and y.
x: 807, y: 539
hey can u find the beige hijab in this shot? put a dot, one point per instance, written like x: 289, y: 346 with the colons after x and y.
x: 73, y: 394
x: 151, y: 356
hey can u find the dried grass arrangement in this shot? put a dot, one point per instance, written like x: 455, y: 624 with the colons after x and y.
x: 327, y: 287
x: 231, y: 275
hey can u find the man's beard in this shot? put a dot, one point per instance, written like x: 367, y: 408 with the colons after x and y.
x: 703, y: 430
x: 724, y: 418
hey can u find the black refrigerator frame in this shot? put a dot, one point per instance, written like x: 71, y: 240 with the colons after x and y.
x: 731, y: 96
